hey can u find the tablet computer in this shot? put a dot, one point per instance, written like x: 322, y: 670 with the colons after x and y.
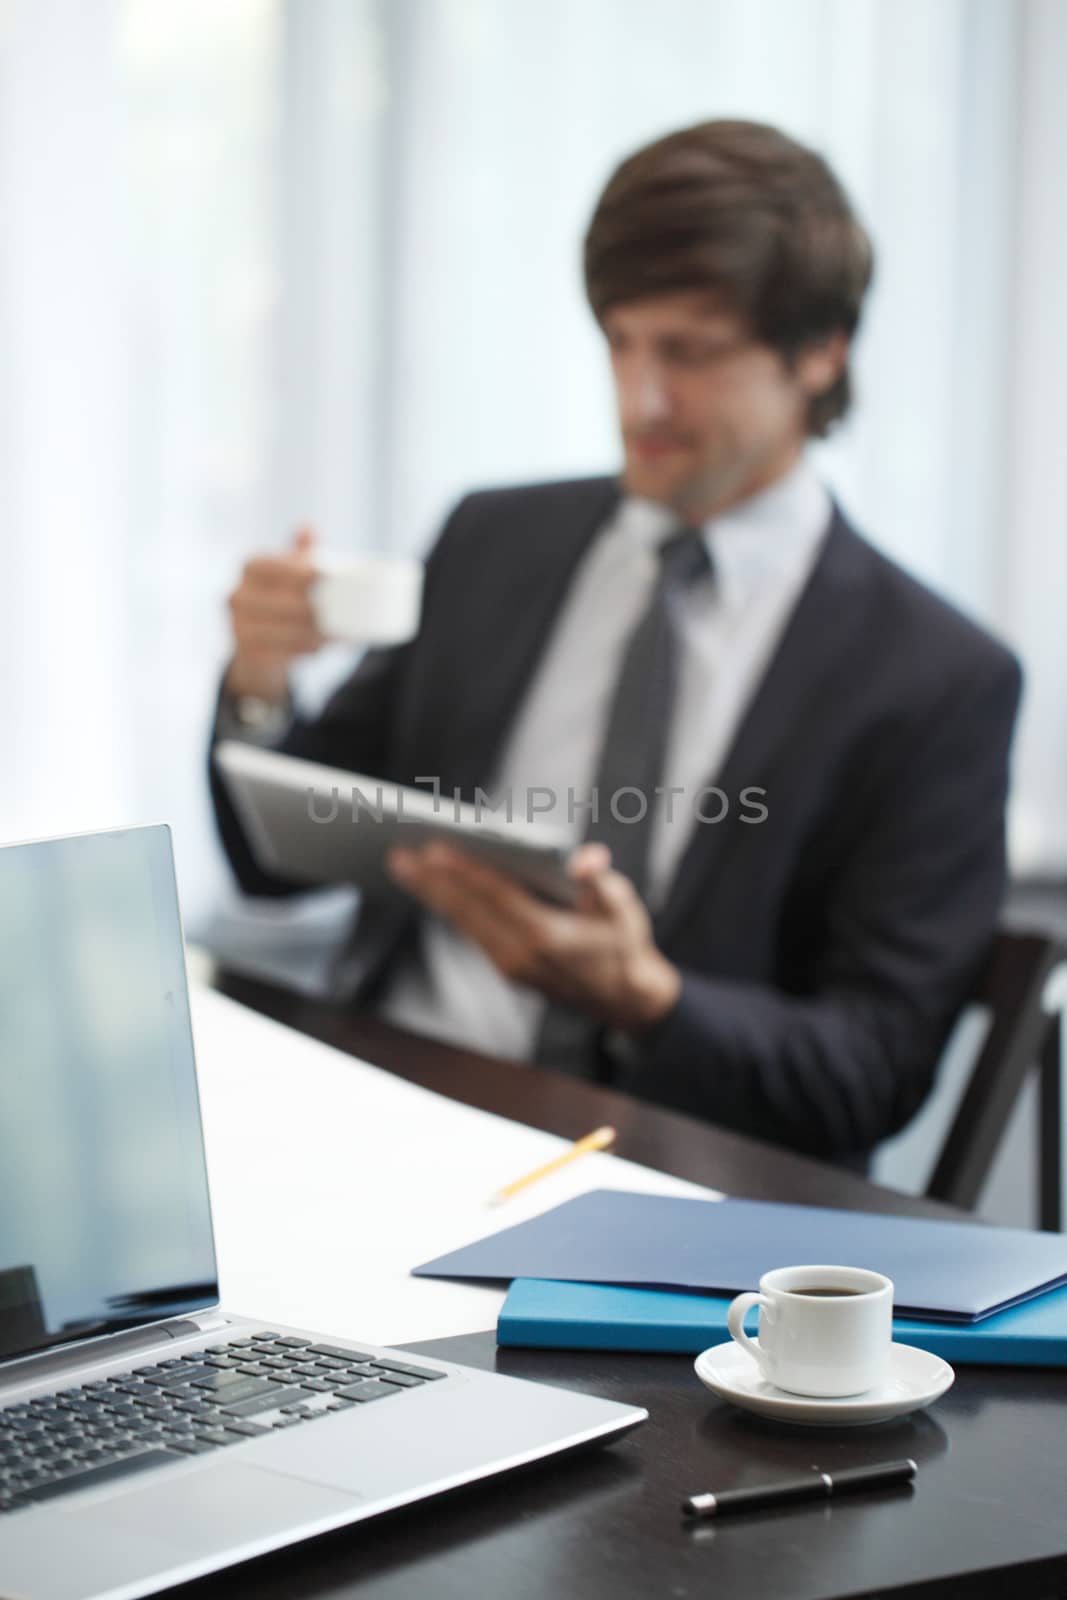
x: 318, y: 824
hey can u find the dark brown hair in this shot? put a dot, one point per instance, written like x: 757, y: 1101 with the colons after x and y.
x: 744, y: 211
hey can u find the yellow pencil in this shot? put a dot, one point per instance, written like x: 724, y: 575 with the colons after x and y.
x: 599, y: 1139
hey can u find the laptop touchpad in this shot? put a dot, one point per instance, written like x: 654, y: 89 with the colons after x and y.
x: 220, y: 1507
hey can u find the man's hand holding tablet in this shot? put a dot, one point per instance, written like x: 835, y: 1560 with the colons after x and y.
x: 597, y: 955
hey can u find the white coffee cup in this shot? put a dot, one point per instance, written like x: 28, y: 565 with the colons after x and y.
x: 822, y: 1330
x: 366, y: 599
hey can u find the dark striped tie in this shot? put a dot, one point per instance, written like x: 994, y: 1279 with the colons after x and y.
x: 631, y: 765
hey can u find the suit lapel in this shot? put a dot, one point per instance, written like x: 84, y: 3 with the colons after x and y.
x: 554, y: 548
x: 826, y: 619
x: 554, y: 552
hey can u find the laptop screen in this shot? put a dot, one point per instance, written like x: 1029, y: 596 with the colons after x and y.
x: 104, y: 1216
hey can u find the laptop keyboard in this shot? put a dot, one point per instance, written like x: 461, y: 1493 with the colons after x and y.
x: 156, y: 1415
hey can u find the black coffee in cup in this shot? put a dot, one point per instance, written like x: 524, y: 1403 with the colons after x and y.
x: 826, y: 1293
x: 824, y: 1330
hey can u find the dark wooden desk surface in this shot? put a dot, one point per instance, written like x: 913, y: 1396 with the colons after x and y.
x: 989, y: 1508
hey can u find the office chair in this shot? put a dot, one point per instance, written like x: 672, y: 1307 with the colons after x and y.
x: 1024, y: 988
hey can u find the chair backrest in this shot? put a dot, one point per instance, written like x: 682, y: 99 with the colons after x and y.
x: 1020, y: 986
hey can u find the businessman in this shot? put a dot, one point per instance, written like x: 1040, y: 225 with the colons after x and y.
x: 782, y: 762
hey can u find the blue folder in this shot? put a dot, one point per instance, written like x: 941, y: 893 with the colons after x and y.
x: 942, y: 1271
x: 595, y: 1316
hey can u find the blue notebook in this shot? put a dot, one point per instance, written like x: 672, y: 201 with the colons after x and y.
x: 941, y: 1271
x: 594, y: 1316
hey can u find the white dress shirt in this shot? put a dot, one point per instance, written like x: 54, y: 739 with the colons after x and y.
x: 762, y: 551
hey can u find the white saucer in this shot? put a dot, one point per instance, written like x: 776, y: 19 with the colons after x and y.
x: 916, y: 1379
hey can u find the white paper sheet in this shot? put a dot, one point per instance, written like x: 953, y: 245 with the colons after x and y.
x: 331, y: 1179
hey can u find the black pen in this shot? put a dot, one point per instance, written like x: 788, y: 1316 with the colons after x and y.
x: 816, y: 1485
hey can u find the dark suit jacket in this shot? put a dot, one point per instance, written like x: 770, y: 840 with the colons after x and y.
x: 826, y: 950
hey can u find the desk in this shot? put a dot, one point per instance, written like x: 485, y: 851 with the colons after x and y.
x: 989, y: 1503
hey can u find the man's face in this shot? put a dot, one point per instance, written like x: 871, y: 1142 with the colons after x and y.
x: 708, y: 414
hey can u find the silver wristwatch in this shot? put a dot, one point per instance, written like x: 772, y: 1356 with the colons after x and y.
x: 246, y: 716
x: 262, y: 717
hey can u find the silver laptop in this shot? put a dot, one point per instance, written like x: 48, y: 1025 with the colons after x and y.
x: 147, y: 1437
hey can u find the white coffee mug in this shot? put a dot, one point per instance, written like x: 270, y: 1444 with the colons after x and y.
x: 366, y: 599
x: 822, y: 1330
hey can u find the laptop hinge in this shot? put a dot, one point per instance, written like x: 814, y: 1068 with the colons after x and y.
x: 75, y: 1357
x: 205, y: 1324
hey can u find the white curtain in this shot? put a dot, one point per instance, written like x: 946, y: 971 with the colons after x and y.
x: 138, y: 312
x: 270, y: 261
